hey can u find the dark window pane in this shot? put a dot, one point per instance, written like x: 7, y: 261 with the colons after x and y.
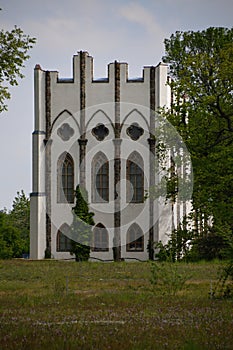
x: 66, y: 180
x: 104, y: 193
x: 63, y: 242
x: 135, y: 239
x: 101, y: 179
x: 136, y: 177
x: 100, y: 239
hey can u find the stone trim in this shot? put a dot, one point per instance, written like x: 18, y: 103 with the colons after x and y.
x: 152, y: 101
x: 48, y: 160
x: 152, y: 143
x: 82, y: 141
x: 82, y: 92
x: 117, y: 166
x: 48, y: 195
x: 82, y: 165
x: 48, y: 104
x: 117, y: 100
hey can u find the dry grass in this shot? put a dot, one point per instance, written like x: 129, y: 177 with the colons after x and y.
x: 108, y: 306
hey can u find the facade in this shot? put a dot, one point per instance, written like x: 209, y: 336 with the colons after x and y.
x: 98, y: 134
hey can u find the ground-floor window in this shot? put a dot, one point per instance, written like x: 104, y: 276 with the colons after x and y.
x: 64, y: 243
x: 100, y: 239
x: 135, y: 239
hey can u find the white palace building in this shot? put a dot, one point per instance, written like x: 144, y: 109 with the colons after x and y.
x: 98, y: 134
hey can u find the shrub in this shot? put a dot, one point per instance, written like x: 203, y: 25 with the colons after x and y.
x: 167, y: 278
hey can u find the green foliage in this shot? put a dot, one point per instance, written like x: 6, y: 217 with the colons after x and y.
x: 14, y: 228
x: 201, y: 70
x: 208, y: 247
x: 10, y: 241
x: 166, y: 277
x: 14, y: 47
x: 177, y: 246
x: 20, y: 218
x: 185, y: 245
x: 224, y: 286
x: 81, y: 228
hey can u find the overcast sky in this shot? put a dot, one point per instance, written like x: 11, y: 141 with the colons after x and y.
x: 127, y: 31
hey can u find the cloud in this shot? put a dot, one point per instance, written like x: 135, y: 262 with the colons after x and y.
x: 136, y: 13
x: 62, y: 33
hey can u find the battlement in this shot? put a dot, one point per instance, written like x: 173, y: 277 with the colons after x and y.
x: 83, y: 61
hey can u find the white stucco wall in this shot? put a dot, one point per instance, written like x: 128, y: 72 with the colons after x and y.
x: 100, y: 109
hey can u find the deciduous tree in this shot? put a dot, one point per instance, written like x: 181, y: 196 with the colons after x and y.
x: 14, y: 228
x: 201, y: 70
x: 19, y: 216
x: 14, y: 47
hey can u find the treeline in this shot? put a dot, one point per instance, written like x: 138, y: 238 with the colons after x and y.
x: 15, y: 228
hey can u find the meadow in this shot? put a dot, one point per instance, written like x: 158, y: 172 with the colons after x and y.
x: 91, y: 305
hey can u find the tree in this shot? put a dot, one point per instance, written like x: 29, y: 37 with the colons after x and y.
x: 14, y: 47
x: 81, y: 227
x: 14, y: 228
x: 19, y: 216
x: 10, y: 241
x: 201, y: 70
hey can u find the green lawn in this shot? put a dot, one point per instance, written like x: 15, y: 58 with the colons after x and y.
x: 69, y: 305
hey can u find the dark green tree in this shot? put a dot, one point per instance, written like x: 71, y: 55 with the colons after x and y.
x: 19, y: 217
x: 14, y: 47
x: 14, y: 228
x: 11, y: 244
x: 201, y: 70
x: 81, y: 228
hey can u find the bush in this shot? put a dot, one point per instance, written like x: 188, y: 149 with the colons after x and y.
x: 167, y: 278
x: 208, y: 247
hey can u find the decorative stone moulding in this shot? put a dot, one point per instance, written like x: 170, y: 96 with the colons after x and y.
x: 100, y: 132
x: 65, y: 132
x: 134, y: 131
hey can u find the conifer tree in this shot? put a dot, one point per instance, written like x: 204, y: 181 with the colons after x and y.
x: 81, y: 228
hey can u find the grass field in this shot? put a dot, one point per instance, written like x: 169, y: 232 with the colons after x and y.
x: 68, y: 305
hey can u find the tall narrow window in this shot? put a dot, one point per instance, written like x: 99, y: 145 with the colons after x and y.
x: 135, y: 239
x: 100, y: 178
x: 63, y: 241
x: 100, y: 239
x: 65, y: 178
x: 135, y: 177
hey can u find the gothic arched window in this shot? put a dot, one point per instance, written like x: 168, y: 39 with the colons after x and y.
x: 64, y: 243
x: 100, y: 239
x: 65, y: 179
x: 135, y: 177
x: 100, y: 178
x: 134, y: 239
